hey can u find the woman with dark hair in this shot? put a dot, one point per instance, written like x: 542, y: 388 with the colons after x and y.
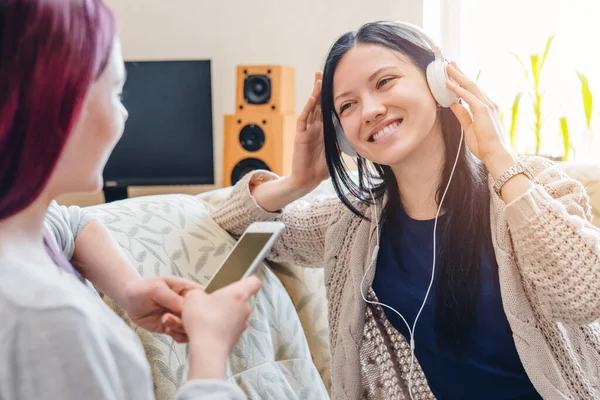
x: 494, y: 255
x: 61, y: 77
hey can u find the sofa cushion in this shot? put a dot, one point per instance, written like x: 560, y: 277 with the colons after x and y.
x: 306, y: 287
x: 589, y: 176
x: 174, y: 235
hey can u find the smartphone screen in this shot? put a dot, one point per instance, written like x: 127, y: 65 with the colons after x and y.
x: 236, y: 265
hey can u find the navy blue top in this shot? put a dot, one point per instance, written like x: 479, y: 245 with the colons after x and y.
x: 491, y: 368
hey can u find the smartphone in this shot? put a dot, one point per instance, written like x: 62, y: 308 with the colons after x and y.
x: 248, y: 253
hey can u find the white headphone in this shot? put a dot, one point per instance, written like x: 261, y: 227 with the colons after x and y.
x: 436, y: 79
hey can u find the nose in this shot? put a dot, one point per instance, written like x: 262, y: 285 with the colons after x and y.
x: 372, y: 109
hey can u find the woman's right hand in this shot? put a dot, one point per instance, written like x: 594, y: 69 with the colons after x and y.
x: 309, y: 167
x: 214, y: 323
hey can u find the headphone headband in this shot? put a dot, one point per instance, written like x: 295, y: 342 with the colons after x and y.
x: 419, y: 32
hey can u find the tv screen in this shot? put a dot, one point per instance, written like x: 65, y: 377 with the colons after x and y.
x: 168, y: 138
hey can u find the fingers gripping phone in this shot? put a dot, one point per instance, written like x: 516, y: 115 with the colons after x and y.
x: 248, y: 253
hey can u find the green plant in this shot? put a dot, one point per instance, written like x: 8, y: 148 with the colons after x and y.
x: 533, y: 73
x: 588, y: 107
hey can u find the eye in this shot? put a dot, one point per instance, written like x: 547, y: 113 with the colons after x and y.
x: 344, y: 107
x: 383, y: 82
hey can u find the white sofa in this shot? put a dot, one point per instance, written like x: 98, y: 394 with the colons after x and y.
x: 285, y: 352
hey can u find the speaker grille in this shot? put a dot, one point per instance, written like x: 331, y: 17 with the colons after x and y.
x: 246, y: 166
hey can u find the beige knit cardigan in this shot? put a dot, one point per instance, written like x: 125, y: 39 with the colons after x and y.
x: 548, y: 257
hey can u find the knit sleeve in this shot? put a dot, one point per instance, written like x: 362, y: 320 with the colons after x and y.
x: 556, y: 247
x: 306, y: 222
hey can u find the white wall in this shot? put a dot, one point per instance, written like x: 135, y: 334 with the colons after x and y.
x: 233, y: 32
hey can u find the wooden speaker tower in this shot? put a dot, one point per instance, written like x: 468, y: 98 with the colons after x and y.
x: 260, y: 135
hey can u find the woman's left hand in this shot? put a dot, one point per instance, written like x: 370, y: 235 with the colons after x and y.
x: 156, y: 304
x: 482, y: 128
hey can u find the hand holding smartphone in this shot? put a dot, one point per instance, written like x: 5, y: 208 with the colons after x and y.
x: 250, y: 250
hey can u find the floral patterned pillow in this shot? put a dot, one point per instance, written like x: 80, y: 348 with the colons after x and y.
x: 174, y: 235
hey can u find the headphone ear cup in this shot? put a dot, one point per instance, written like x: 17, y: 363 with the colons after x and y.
x: 436, y: 78
x: 343, y: 142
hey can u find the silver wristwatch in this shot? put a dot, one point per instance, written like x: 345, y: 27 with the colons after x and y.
x: 516, y: 169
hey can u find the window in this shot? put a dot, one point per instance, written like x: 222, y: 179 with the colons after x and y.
x: 488, y: 31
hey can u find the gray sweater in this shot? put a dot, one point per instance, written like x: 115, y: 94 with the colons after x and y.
x: 59, y: 340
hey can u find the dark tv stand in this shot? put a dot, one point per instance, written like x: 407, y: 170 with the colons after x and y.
x: 114, y: 193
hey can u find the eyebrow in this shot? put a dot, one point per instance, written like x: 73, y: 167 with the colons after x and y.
x: 371, y: 78
x: 380, y: 70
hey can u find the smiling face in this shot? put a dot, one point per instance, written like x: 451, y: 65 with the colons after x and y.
x: 384, y: 104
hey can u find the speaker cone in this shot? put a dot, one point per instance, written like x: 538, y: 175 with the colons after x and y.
x: 252, y: 137
x: 245, y: 166
x: 257, y: 89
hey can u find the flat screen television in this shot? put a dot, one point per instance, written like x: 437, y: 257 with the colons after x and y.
x: 168, y: 138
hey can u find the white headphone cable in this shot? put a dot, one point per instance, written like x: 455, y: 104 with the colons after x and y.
x: 374, y: 259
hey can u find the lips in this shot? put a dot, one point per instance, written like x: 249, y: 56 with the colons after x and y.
x: 386, y: 131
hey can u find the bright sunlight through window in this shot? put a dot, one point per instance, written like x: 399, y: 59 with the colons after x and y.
x: 549, y: 106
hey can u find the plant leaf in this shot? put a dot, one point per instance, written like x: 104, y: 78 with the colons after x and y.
x: 272, y: 377
x: 564, y: 130
x: 175, y: 269
x: 221, y: 249
x: 185, y: 249
x: 536, y: 71
x: 198, y: 236
x: 525, y: 69
x: 257, y: 325
x: 151, y: 241
x: 181, y: 219
x: 586, y: 96
x: 546, y: 50
x: 180, y: 370
x: 152, y: 351
x: 257, y: 344
x: 134, y: 229
x: 176, y: 255
x: 141, y: 257
x: 514, y: 116
x: 201, y: 263
x: 165, y: 371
